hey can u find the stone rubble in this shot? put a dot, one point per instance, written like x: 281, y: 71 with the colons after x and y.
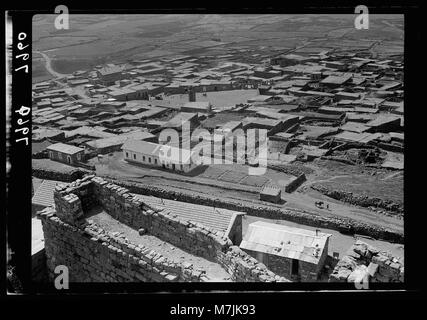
x: 363, y: 260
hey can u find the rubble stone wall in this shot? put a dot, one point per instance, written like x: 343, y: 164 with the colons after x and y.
x: 72, y: 175
x: 340, y: 224
x: 242, y: 267
x: 73, y: 200
x: 282, y: 266
x: 295, y: 183
x: 279, y: 265
x: 190, y: 236
x: 363, y: 260
x: 94, y: 255
x: 38, y: 266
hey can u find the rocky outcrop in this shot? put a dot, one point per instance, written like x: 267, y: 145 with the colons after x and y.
x: 366, y: 263
x: 359, y: 200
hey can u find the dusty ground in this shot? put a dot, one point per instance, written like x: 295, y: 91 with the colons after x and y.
x: 381, y: 183
x: 48, y: 164
x: 213, y: 270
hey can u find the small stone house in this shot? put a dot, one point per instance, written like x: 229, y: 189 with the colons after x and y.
x: 271, y: 194
x: 294, y: 253
x: 65, y: 153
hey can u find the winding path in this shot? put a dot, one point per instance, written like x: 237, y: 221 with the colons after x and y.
x: 48, y: 65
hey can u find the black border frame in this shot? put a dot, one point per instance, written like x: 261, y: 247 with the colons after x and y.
x: 19, y: 194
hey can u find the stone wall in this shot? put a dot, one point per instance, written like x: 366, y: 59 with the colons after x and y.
x: 340, y: 224
x: 295, y: 183
x: 242, y: 267
x: 282, y: 266
x: 190, y: 236
x: 69, y: 176
x: 235, y: 230
x: 38, y: 266
x: 336, y: 223
x: 94, y: 255
x: 363, y: 260
x: 278, y: 264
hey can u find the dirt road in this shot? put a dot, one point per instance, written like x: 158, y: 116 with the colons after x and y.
x: 48, y: 65
x: 114, y: 166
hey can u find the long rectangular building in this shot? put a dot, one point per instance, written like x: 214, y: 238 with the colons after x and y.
x: 158, y: 155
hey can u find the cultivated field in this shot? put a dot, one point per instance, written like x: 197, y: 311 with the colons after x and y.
x: 122, y: 37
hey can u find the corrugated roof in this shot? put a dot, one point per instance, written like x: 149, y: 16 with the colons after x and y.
x: 43, y: 196
x: 289, y: 242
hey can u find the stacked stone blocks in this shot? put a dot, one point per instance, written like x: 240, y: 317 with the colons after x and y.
x: 92, y: 254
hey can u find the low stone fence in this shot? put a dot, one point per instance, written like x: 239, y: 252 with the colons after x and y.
x: 59, y: 176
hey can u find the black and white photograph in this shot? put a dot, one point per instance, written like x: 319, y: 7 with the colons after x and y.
x: 214, y: 148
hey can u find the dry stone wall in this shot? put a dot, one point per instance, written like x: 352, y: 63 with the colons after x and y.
x: 242, y: 267
x: 68, y: 176
x: 341, y: 224
x: 92, y: 254
x: 190, y: 236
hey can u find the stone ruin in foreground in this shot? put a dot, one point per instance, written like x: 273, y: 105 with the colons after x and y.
x: 94, y: 254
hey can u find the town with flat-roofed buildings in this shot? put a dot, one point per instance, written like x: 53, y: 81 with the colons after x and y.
x: 218, y: 148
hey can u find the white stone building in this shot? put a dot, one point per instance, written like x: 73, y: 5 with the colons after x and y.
x: 158, y: 155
